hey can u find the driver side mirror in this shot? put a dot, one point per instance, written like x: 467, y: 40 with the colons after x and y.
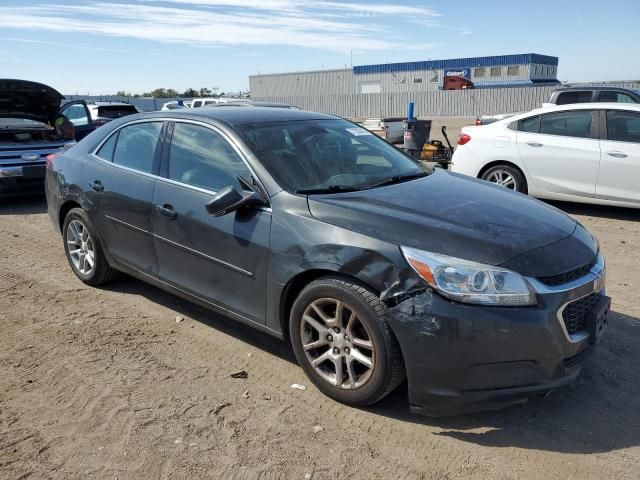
x: 229, y: 200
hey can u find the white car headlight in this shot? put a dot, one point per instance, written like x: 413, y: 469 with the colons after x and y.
x: 470, y: 282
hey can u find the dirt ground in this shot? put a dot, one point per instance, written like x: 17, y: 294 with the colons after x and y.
x: 105, y: 383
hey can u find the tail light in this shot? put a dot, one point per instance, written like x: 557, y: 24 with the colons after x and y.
x: 98, y: 122
x: 478, y: 122
x: 463, y: 139
x: 49, y: 162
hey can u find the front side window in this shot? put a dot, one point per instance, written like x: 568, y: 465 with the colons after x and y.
x: 623, y: 126
x: 136, y: 145
x: 567, y: 124
x: 77, y: 115
x: 201, y: 157
x: 326, y: 154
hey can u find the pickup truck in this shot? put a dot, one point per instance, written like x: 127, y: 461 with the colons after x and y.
x: 568, y: 95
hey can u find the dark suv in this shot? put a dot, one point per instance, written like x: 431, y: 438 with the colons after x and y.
x: 567, y: 95
x: 309, y: 227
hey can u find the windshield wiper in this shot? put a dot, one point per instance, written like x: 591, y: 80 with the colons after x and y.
x: 329, y: 189
x: 398, y: 179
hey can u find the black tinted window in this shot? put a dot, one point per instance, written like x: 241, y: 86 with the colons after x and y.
x: 583, y: 96
x: 136, y: 146
x: 567, y: 124
x: 623, y: 126
x: 116, y: 111
x: 616, y: 97
x: 531, y: 124
x: 201, y: 157
x: 316, y: 154
x: 107, y: 148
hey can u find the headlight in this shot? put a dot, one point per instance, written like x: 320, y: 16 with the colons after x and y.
x: 470, y: 282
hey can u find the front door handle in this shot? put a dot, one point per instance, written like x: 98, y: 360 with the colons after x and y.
x: 617, y: 154
x: 166, y: 210
x: 534, y: 144
x: 97, y: 185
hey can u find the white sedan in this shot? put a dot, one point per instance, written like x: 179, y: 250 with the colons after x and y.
x: 580, y: 153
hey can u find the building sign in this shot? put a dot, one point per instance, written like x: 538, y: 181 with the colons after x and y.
x: 458, y: 72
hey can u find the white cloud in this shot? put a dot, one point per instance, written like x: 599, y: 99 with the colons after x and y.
x: 305, y: 23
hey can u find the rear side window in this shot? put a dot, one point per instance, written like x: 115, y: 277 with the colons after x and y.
x: 567, y: 124
x: 566, y: 98
x: 203, y: 158
x: 531, y: 124
x: 615, y: 97
x: 623, y: 126
x: 136, y: 146
x: 108, y: 147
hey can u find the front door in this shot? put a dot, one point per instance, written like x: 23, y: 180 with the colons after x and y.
x: 78, y: 114
x: 120, y: 185
x: 222, y: 260
x: 619, y: 177
x: 560, y: 152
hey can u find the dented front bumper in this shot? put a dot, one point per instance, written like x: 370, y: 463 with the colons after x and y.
x: 461, y: 358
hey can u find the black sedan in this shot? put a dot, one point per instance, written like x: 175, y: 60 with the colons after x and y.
x: 308, y: 227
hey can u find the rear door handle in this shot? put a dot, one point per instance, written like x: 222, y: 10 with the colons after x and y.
x: 617, y: 154
x: 166, y: 210
x: 97, y: 185
x: 534, y: 144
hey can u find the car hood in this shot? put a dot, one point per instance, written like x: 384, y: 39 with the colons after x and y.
x: 450, y: 214
x: 25, y: 99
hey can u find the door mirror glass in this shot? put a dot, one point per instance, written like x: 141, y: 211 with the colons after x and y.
x: 229, y: 200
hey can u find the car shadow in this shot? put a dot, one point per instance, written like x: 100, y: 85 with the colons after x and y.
x: 599, y: 413
x: 256, y: 338
x: 600, y: 211
x: 23, y: 205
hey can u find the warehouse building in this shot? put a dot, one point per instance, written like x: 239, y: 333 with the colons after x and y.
x: 408, y: 77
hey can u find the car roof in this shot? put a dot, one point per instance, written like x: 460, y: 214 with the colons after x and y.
x: 598, y: 87
x: 244, y: 116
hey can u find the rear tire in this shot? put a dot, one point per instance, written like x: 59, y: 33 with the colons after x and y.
x: 343, y: 343
x: 84, y: 251
x: 506, y: 176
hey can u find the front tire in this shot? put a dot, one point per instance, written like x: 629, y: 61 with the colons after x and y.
x: 84, y: 251
x: 343, y: 343
x: 506, y: 176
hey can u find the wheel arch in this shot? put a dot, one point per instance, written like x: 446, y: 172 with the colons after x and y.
x: 65, y: 208
x: 508, y: 163
x: 298, y: 282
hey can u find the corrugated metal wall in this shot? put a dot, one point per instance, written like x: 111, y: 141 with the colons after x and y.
x: 427, y: 104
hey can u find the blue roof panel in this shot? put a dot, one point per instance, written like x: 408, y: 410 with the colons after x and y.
x: 520, y: 59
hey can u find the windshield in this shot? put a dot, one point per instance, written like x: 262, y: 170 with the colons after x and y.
x: 331, y: 155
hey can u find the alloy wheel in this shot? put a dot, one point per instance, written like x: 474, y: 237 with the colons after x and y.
x: 337, y: 343
x: 80, y: 247
x: 502, y: 178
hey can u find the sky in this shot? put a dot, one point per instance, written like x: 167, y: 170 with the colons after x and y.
x: 100, y: 47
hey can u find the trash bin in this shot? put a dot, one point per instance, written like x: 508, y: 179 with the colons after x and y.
x: 416, y: 134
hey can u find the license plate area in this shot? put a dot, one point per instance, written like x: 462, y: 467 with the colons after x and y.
x: 597, y: 319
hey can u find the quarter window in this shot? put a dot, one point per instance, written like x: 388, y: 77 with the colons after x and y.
x: 136, y: 146
x: 567, y: 124
x: 623, y: 126
x: 108, y: 147
x: 203, y: 158
x: 530, y: 125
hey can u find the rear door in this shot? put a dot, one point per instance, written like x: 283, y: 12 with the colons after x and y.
x: 78, y: 114
x: 619, y: 177
x: 120, y: 185
x: 561, y: 151
x: 221, y: 260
